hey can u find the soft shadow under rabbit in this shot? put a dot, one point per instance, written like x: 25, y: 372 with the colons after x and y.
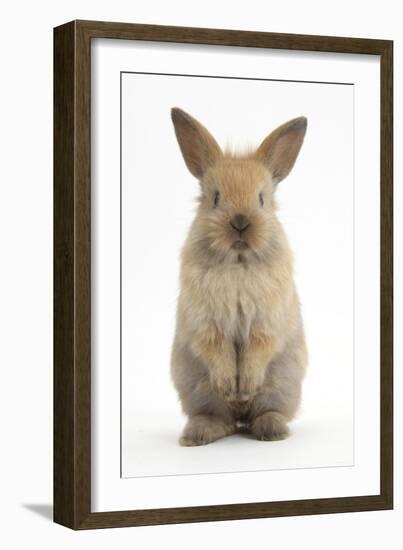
x: 239, y: 353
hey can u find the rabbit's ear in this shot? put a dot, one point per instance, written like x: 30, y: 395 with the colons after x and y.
x: 280, y: 149
x: 199, y: 149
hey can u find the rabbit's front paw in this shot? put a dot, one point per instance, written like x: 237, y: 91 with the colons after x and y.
x: 224, y: 384
x: 250, y: 381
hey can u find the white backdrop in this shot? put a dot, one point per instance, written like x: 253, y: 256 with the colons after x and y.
x: 317, y: 208
x: 26, y: 307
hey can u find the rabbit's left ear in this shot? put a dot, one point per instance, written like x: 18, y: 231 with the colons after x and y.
x: 199, y: 149
x: 280, y: 149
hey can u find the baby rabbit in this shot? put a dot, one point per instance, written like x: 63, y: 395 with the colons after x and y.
x: 239, y: 353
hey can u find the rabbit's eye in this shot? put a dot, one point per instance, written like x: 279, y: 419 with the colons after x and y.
x: 216, y: 198
x: 261, y: 199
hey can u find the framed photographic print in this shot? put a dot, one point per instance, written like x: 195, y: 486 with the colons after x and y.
x: 222, y: 274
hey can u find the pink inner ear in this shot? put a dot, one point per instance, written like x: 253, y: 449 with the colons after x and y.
x: 199, y: 148
x: 280, y: 149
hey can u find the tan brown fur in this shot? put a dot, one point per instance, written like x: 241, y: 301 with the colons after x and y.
x: 239, y: 353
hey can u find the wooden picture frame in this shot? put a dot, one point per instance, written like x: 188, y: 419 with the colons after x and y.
x: 72, y: 270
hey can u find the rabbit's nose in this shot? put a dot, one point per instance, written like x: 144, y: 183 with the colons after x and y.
x: 239, y: 222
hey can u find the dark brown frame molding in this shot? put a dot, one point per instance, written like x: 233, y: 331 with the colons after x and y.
x: 72, y: 292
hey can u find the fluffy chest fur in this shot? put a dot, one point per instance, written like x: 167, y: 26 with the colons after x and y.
x: 235, y: 298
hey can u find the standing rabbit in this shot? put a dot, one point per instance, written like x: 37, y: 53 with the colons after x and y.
x: 239, y: 353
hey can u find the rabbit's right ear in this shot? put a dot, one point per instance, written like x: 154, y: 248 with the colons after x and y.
x: 199, y: 149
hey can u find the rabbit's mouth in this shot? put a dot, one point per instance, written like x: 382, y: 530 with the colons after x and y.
x: 240, y: 245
